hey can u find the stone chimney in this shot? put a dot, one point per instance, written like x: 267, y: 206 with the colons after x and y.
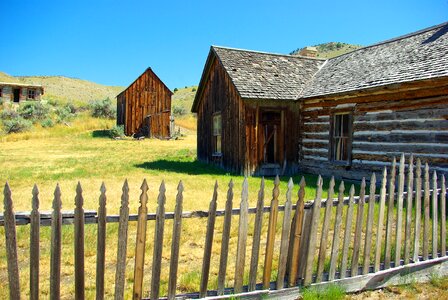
x: 308, y: 52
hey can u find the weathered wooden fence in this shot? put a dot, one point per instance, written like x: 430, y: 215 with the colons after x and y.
x: 399, y: 227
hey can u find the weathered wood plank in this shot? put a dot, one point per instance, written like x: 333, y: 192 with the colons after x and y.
x: 122, y: 243
x: 101, y: 244
x: 418, y: 209
x: 34, y: 245
x: 369, y: 225
x: 297, y: 234
x: 140, y: 242
x: 347, y: 233
x: 325, y: 229
x: 79, y: 243
x: 303, y: 252
x: 175, y: 245
x: 407, y: 234
x: 208, y: 243
x: 11, y: 245
x: 379, y: 231
x: 399, y: 223
x: 56, y: 246
x: 284, y: 242
x: 256, y: 239
x: 337, y: 228
x: 443, y: 217
x: 225, y: 240
x: 390, y: 215
x: 271, y: 235
x: 242, y: 239
x: 358, y: 229
x: 426, y: 220
x: 158, y: 243
x: 434, y: 215
x: 313, y: 233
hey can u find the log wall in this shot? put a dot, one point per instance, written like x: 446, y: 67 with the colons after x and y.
x: 146, y: 96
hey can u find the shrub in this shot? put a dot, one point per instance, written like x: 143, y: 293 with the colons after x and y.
x: 117, y: 131
x: 16, y: 125
x: 176, y: 89
x: 193, y: 89
x: 64, y: 113
x: 8, y: 114
x: 34, y: 111
x: 179, y: 110
x: 103, y: 109
x: 47, y: 123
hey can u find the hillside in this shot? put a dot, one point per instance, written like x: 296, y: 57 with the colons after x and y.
x: 331, y: 49
x: 67, y: 89
x: 183, y: 100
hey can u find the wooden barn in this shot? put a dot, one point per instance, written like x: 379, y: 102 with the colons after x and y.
x: 144, y: 108
x: 346, y: 116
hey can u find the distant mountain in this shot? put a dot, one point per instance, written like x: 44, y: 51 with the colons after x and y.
x: 67, y: 89
x: 331, y: 49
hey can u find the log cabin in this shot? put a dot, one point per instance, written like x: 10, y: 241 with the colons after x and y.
x: 19, y: 92
x: 262, y: 113
x: 144, y: 108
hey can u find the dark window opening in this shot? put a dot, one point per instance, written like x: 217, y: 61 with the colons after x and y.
x: 16, y: 93
x: 217, y: 129
x: 31, y: 94
x: 341, y: 138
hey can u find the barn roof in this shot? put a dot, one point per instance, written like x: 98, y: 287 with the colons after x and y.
x: 148, y: 70
x: 415, y: 56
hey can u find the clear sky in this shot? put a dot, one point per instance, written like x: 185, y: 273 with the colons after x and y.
x: 112, y: 42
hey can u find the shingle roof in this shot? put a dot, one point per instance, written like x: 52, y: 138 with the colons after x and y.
x: 260, y: 75
x: 416, y: 56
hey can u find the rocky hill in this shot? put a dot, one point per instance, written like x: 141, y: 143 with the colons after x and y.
x: 331, y: 49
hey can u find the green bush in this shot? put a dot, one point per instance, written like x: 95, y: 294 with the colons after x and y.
x: 16, y: 125
x: 117, y: 131
x: 193, y: 89
x: 8, y: 114
x: 179, y: 110
x: 34, y: 111
x: 64, y: 113
x: 102, y: 109
x: 176, y: 89
x: 47, y: 123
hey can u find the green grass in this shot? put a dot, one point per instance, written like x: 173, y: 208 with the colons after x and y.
x: 329, y: 292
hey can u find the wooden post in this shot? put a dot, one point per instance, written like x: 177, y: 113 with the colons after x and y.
x: 34, y: 245
x: 379, y: 231
x: 443, y: 217
x: 407, y: 233
x: 208, y: 243
x: 11, y: 245
x: 369, y: 225
x: 313, y: 233
x: 122, y: 243
x: 140, y: 242
x: 297, y: 235
x: 399, y: 225
x: 347, y: 233
x: 434, y: 216
x: 337, y: 228
x: 284, y: 242
x: 325, y: 228
x: 158, y: 243
x: 225, y: 240
x: 390, y: 215
x: 242, y: 238
x: 79, y: 243
x: 418, y: 209
x: 271, y: 235
x: 426, y: 220
x: 256, y: 238
x: 358, y: 229
x: 177, y: 226
x: 56, y: 246
x: 101, y: 244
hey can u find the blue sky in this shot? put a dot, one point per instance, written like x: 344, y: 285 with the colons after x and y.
x: 112, y: 42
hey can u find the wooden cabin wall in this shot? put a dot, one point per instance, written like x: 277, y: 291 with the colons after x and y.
x: 147, y: 96
x: 220, y: 95
x: 383, y: 127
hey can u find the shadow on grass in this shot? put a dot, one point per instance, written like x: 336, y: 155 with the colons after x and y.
x: 186, y: 167
x: 104, y: 133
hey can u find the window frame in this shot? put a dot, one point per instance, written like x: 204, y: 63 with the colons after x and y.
x: 333, y: 138
x: 217, y: 134
x: 31, y: 94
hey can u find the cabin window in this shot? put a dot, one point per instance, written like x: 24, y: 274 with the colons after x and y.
x: 217, y: 125
x: 31, y: 94
x: 341, y: 142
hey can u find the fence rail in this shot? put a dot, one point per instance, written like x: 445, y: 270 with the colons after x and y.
x: 326, y: 240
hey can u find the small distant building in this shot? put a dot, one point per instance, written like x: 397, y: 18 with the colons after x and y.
x: 19, y: 92
x: 144, y: 108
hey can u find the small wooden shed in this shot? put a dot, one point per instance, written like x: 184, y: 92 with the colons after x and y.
x: 19, y: 92
x: 144, y: 108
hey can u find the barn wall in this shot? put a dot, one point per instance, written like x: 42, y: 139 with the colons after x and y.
x: 146, y: 96
x: 220, y: 95
x: 384, y: 126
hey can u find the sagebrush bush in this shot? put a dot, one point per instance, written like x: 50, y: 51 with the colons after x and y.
x: 102, y: 109
x: 34, y: 111
x: 8, y: 114
x: 179, y: 110
x: 116, y: 131
x: 64, y: 113
x: 47, y: 123
x: 18, y: 124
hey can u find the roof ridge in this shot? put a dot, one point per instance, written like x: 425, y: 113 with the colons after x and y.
x: 268, y: 53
